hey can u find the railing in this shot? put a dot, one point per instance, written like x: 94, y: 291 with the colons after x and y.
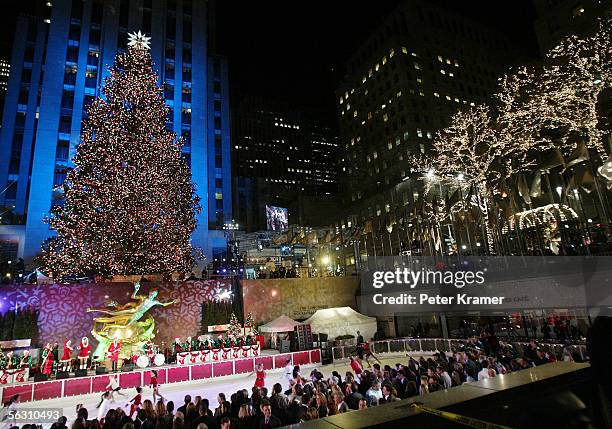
x: 429, y: 346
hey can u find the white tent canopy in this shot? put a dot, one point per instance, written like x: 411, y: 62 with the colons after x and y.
x: 280, y: 324
x: 342, y: 321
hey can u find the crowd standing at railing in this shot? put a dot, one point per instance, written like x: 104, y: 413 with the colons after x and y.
x: 314, y: 396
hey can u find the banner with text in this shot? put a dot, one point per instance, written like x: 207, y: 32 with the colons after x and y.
x: 408, y: 284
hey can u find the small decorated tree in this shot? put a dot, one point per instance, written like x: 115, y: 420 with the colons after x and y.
x: 235, y: 329
x: 250, y: 323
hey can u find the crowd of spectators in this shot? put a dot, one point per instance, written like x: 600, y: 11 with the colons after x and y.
x: 315, y: 396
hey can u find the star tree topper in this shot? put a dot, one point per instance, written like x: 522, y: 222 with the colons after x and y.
x: 139, y: 40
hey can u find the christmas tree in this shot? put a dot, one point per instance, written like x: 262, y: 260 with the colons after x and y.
x: 250, y: 323
x: 235, y: 328
x: 130, y: 203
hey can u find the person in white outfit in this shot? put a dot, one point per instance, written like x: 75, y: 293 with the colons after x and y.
x: 104, y: 406
x: 288, y: 372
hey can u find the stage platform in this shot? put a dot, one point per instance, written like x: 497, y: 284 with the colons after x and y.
x: 52, y: 389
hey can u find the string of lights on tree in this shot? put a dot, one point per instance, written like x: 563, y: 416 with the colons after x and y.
x: 130, y: 203
x: 542, y: 117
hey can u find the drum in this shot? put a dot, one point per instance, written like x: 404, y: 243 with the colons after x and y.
x: 159, y: 359
x: 142, y: 362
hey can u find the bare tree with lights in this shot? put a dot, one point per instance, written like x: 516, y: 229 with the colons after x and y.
x: 470, y: 149
x: 130, y: 203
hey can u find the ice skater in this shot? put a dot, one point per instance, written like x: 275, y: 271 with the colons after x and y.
x: 288, y: 372
x: 368, y: 353
x: 155, y: 386
x: 113, y: 387
x: 136, y: 401
x: 260, y: 376
x: 104, y: 406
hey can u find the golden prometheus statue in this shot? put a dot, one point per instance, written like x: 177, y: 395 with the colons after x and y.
x: 128, y: 323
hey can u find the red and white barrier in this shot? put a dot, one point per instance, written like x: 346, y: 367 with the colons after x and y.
x: 170, y: 374
x: 217, y: 355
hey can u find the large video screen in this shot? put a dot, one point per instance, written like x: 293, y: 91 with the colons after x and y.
x: 277, y: 218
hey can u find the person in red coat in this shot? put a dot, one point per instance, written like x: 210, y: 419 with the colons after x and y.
x: 66, y: 358
x: 136, y: 401
x: 260, y: 380
x: 46, y: 365
x: 113, y: 353
x: 84, y: 352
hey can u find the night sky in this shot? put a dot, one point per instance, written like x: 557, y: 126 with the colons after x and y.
x: 297, y: 53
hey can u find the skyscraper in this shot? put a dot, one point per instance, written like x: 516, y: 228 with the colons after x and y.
x: 280, y: 153
x: 403, y: 84
x: 59, y: 63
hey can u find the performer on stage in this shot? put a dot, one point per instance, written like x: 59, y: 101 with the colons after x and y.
x: 26, y: 360
x: 113, y: 353
x: 260, y: 376
x: 47, y: 360
x: 66, y: 358
x: 176, y: 348
x: 155, y: 386
x: 84, y: 352
x: 187, y: 345
x: 136, y: 402
x: 11, y: 360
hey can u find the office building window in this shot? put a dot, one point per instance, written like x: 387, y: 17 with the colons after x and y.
x: 186, y: 115
x: 70, y: 74
x: 186, y: 72
x: 146, y: 21
x: 23, y: 95
x: 187, y: 58
x: 62, y: 150
x: 64, y: 124
x: 91, y: 77
x: 20, y: 119
x: 59, y: 176
x: 218, y: 161
x: 72, y: 54
x: 124, y: 6
x: 67, y: 100
x: 169, y: 91
x: 186, y: 138
x: 170, y: 26
x: 28, y: 55
x: 169, y: 70
x: 93, y: 57
x: 96, y: 11
x: 75, y: 32
x: 122, y: 40
x: 187, y: 30
x: 186, y: 93
x: 217, y: 69
x: 94, y: 36
x: 217, y: 105
x: 77, y: 9
x: 170, y: 47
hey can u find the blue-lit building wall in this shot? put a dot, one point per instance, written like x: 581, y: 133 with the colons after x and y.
x: 43, y: 112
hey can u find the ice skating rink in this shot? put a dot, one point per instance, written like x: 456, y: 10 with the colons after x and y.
x: 205, y: 388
